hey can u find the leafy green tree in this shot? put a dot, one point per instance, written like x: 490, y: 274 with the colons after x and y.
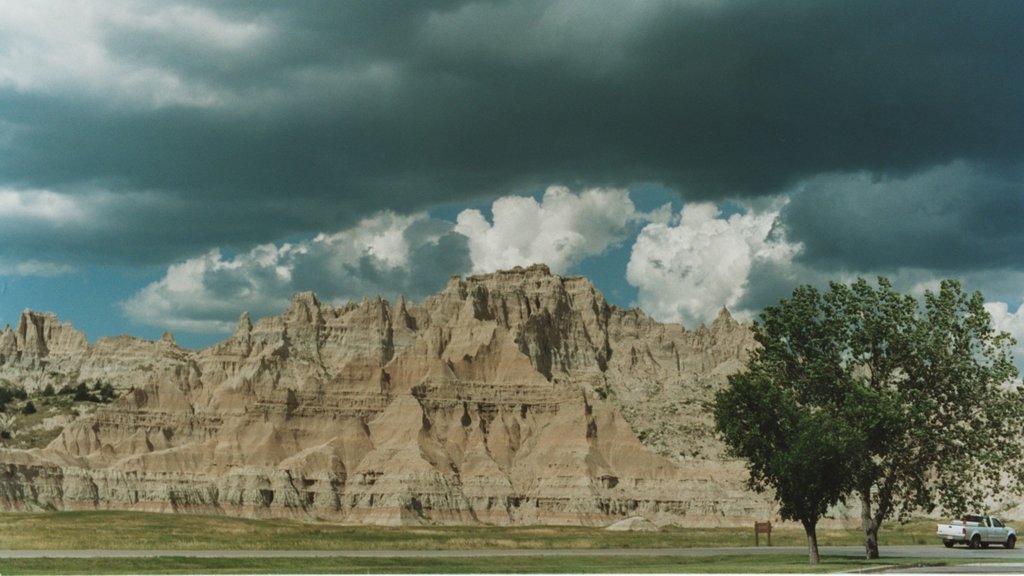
x: 945, y: 378
x: 921, y: 397
x: 781, y: 414
x: 106, y: 392
x: 29, y: 408
x: 794, y: 452
x: 5, y: 397
x: 9, y: 392
x: 82, y: 394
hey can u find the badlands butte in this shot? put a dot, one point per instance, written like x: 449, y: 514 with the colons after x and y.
x: 519, y: 397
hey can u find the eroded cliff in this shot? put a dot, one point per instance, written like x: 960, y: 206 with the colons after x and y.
x: 513, y: 397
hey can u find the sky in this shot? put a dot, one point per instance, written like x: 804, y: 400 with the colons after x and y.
x: 165, y: 166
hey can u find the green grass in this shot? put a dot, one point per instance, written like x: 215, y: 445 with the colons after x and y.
x: 581, y: 564
x: 137, y: 530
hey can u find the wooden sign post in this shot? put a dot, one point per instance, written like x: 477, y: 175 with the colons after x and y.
x: 762, y: 528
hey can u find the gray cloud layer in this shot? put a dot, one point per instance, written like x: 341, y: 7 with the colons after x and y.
x: 951, y: 218
x: 199, y: 125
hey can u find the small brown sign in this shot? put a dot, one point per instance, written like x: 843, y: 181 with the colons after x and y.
x: 762, y: 528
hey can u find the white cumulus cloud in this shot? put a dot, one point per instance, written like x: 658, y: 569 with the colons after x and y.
x: 387, y: 254
x: 687, y: 271
x: 1013, y: 322
x: 202, y: 294
x: 560, y: 230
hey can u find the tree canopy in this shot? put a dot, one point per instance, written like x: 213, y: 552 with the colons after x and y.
x: 861, y: 391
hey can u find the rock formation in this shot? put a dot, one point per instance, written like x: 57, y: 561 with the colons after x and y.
x: 43, y: 351
x: 632, y: 524
x: 518, y: 397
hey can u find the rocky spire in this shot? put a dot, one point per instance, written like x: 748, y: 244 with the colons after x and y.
x: 723, y: 320
x: 8, y: 345
x: 244, y: 326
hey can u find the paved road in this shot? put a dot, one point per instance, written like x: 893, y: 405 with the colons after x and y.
x: 937, y: 552
x: 1001, y: 568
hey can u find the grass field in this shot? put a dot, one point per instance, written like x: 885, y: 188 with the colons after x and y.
x: 592, y: 564
x: 135, y: 530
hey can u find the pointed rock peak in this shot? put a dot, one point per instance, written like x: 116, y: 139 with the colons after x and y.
x: 377, y: 307
x: 454, y: 284
x: 724, y: 319
x: 28, y: 315
x: 34, y: 321
x: 402, y: 316
x: 167, y: 337
x: 244, y: 326
x: 7, y: 339
x: 306, y: 298
x: 401, y: 310
x: 305, y: 308
x: 456, y: 288
x: 23, y: 320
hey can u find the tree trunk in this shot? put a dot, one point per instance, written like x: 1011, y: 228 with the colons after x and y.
x: 870, y: 526
x: 812, y: 540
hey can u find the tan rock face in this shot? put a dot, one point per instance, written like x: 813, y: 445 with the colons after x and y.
x: 517, y: 397
x: 40, y: 344
x: 42, y: 350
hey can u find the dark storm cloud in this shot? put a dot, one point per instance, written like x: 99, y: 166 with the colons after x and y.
x: 955, y: 217
x: 341, y: 109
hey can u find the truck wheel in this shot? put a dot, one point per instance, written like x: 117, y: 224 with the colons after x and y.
x: 975, y: 542
x: 947, y: 543
x: 1010, y: 542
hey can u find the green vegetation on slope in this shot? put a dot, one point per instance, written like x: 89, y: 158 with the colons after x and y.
x: 34, y: 420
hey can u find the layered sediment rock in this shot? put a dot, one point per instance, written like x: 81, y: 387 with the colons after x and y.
x: 40, y: 345
x: 43, y: 351
x: 510, y: 398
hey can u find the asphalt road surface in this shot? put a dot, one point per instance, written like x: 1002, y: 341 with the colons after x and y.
x: 937, y: 552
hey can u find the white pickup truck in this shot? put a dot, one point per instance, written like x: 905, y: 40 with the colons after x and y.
x: 977, y: 531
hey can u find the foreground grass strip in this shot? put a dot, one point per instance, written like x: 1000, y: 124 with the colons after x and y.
x: 136, y: 530
x: 559, y: 564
